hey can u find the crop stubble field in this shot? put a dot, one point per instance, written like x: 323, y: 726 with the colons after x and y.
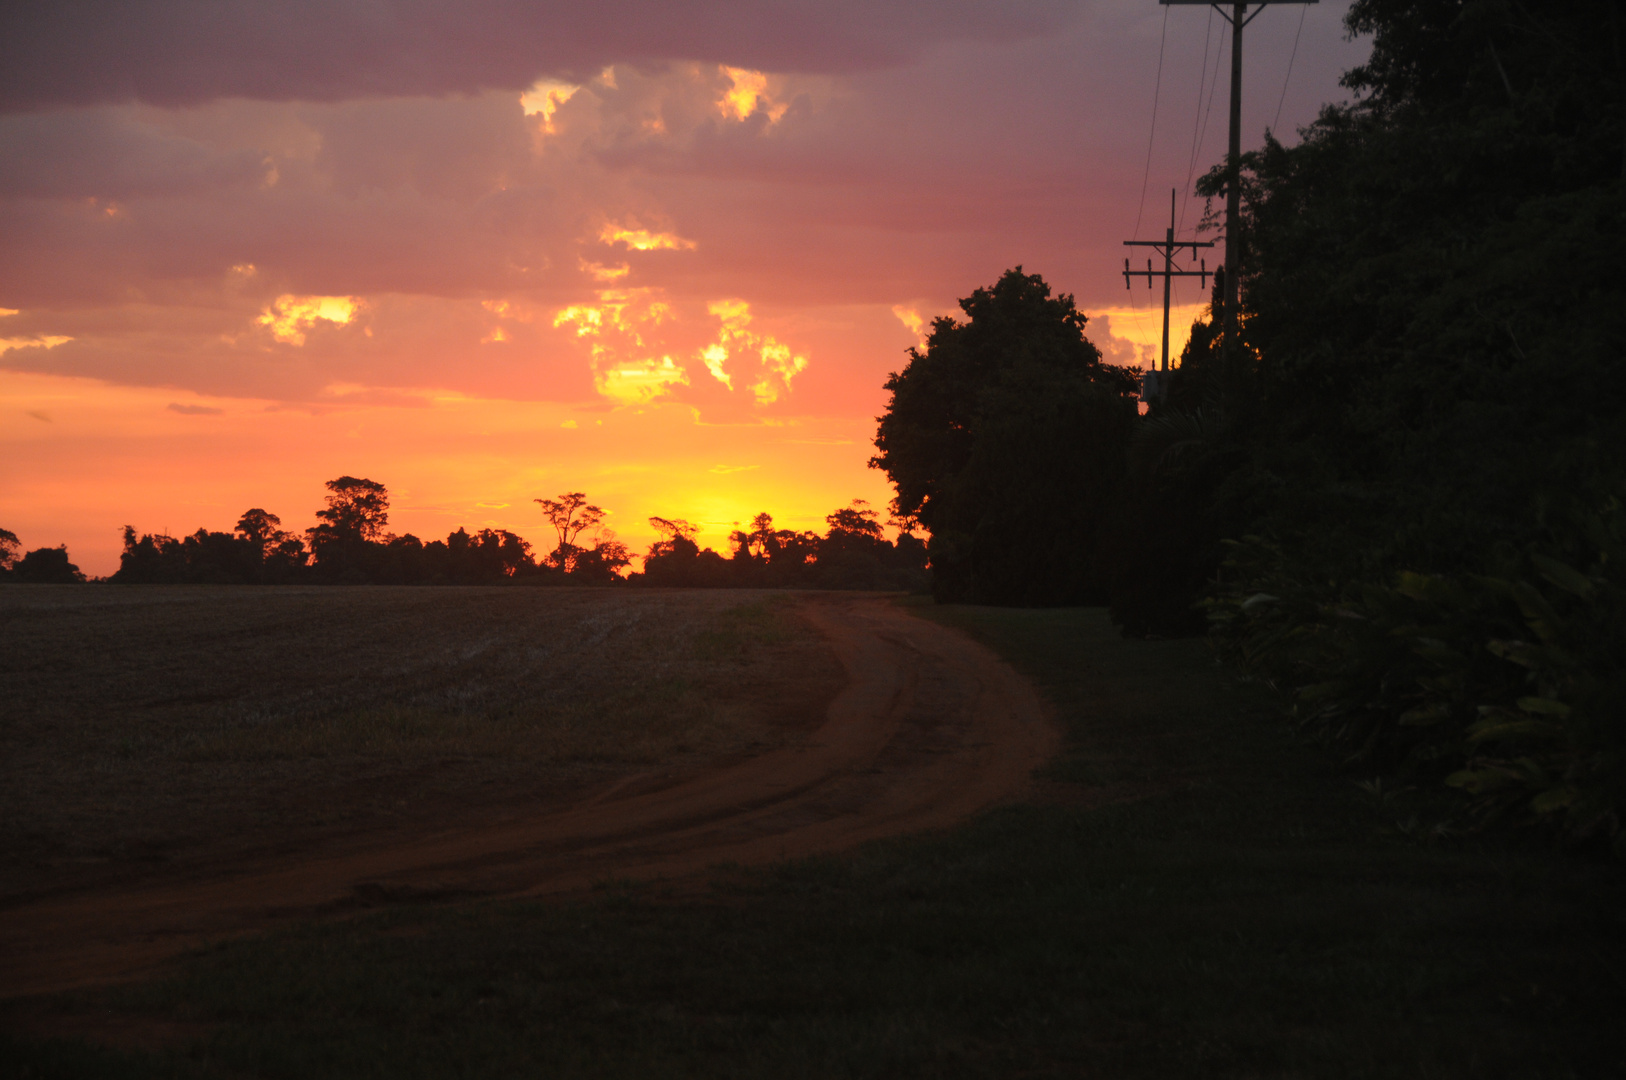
x: 149, y: 725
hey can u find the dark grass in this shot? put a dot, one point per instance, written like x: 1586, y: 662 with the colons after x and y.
x: 1195, y: 895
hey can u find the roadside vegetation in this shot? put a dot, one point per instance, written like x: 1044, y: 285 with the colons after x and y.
x: 1399, y: 492
x: 1190, y: 892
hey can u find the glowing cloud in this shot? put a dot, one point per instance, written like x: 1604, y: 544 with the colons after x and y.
x: 1135, y: 335
x: 715, y: 357
x: 600, y: 272
x: 45, y: 341
x: 643, y: 239
x: 40, y: 341
x: 640, y: 381
x: 777, y: 365
x: 747, y: 91
x: 616, y: 326
x: 587, y: 320
x: 544, y: 98
x: 290, y: 316
x: 911, y: 318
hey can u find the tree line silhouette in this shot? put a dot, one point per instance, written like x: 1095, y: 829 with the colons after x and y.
x: 42, y: 566
x: 350, y: 545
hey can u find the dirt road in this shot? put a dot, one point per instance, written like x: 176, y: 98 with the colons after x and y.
x: 929, y: 729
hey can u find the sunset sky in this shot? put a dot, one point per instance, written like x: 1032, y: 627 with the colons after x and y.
x: 485, y: 252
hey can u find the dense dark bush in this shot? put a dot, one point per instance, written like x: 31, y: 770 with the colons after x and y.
x: 46, y: 566
x: 1432, y: 448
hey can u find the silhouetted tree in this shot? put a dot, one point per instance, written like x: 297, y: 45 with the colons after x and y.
x: 343, y: 544
x: 47, y: 566
x: 260, y: 529
x: 1005, y: 439
x: 602, y: 563
x: 676, y: 559
x: 757, y: 544
x: 150, y: 559
x: 9, y: 547
x: 570, y: 515
x: 356, y: 509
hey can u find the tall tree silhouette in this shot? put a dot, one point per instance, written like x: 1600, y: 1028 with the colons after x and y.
x: 260, y: 529
x: 1005, y: 438
x: 357, y: 512
x: 570, y: 515
x: 357, y: 509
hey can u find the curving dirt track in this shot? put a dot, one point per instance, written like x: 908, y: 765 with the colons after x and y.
x: 930, y: 728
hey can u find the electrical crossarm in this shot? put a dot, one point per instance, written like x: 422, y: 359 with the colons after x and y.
x: 1167, y: 248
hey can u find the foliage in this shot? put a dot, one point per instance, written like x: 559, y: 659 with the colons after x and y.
x: 1505, y: 685
x: 1004, y: 438
x: 9, y: 547
x: 854, y: 554
x: 42, y: 566
x: 46, y: 566
x: 347, y: 547
x: 1421, y: 430
x: 571, y: 515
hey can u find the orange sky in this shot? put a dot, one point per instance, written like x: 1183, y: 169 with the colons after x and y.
x: 668, y: 269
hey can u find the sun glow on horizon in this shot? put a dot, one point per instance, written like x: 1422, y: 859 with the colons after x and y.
x: 441, y: 453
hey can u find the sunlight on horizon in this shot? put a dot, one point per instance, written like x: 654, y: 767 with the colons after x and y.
x: 97, y: 457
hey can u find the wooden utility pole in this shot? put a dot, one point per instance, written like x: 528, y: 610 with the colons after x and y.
x: 1238, y: 17
x: 1167, y: 247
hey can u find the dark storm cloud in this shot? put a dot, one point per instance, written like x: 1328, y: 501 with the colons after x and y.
x: 183, y: 52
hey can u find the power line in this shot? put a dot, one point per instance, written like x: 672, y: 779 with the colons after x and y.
x: 1294, y: 56
x: 1238, y: 18
x: 1213, y: 89
x: 1197, y: 114
x: 1151, y: 139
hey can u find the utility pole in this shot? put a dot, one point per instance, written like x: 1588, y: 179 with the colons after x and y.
x: 1167, y: 247
x: 1238, y: 17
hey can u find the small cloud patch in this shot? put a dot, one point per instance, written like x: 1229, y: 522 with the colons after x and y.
x: 193, y: 410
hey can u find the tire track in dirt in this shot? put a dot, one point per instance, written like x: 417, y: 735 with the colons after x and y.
x: 930, y: 729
